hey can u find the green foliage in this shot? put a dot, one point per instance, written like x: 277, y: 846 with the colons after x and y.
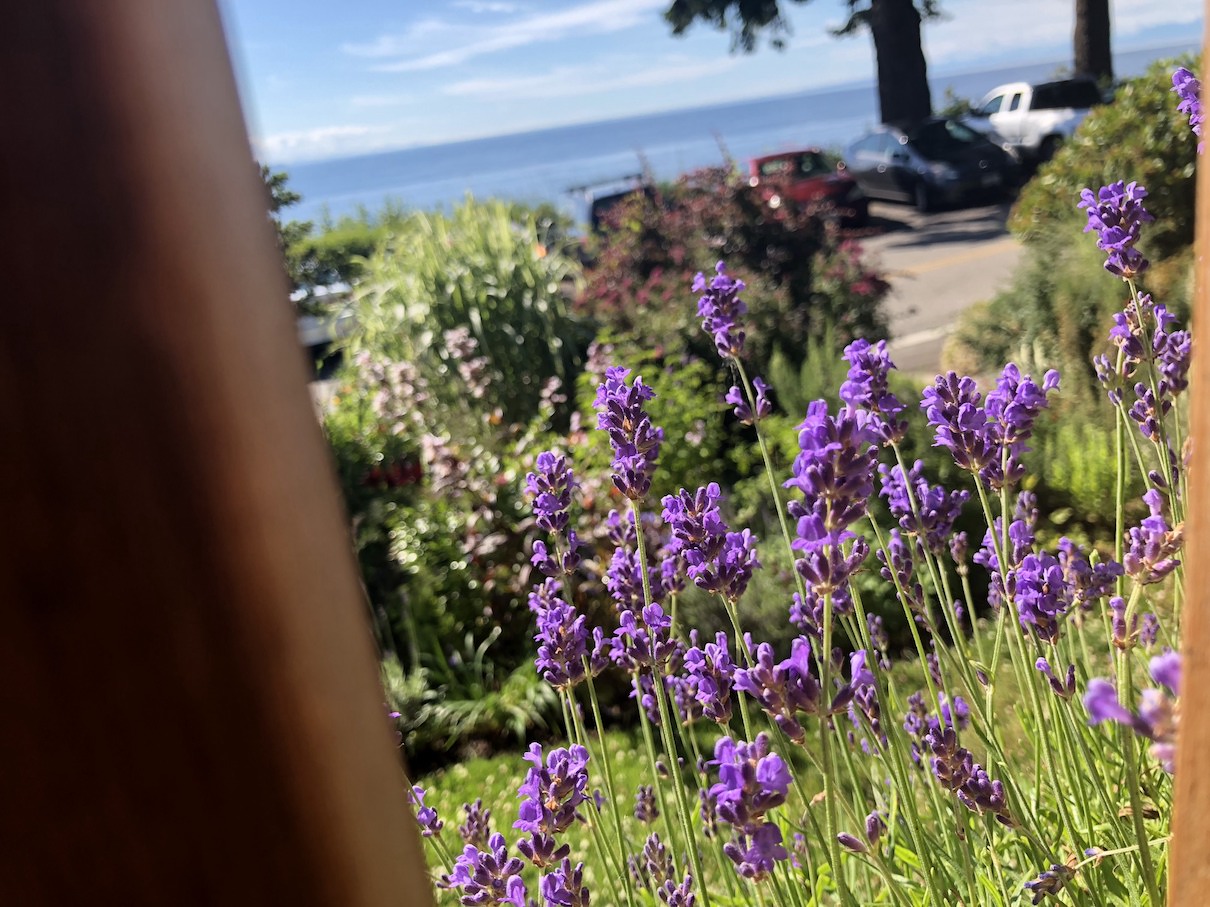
x: 1142, y: 137
x: 480, y: 271
x: 288, y: 233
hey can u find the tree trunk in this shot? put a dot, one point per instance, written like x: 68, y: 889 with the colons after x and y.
x: 903, y: 87
x: 1093, y: 56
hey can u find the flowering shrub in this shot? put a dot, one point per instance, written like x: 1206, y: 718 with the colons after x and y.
x: 830, y: 782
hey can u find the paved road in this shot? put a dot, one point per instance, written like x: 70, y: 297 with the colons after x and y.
x: 938, y: 264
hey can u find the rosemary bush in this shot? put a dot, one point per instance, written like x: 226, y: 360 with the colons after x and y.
x: 814, y: 776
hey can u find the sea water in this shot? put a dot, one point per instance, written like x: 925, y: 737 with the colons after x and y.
x: 545, y: 165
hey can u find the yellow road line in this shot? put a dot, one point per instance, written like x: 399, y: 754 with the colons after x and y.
x: 984, y: 251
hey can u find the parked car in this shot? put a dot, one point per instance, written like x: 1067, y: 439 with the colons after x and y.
x: 804, y: 177
x: 588, y: 205
x: 938, y: 161
x: 1033, y: 120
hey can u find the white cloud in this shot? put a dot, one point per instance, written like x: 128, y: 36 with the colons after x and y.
x: 323, y: 141
x: 592, y: 18
x: 603, y: 76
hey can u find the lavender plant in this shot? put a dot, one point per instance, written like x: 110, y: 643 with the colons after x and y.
x: 1031, y: 762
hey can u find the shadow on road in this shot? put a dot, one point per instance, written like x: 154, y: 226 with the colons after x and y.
x: 905, y: 228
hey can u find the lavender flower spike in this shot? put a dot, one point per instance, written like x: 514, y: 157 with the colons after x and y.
x: 1189, y: 89
x: 721, y: 309
x: 551, y: 485
x: 426, y: 816
x: 635, y: 441
x: 1116, y: 214
x: 553, y: 791
x: 866, y: 387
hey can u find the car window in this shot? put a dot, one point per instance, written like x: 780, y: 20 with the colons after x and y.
x: 1015, y: 102
x: 812, y: 164
x: 941, y: 139
x: 992, y: 106
x: 779, y: 167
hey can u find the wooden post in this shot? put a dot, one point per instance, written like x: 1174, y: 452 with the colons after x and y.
x: 1189, y: 876
x: 187, y: 684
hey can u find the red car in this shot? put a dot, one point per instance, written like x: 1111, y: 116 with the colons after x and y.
x: 804, y: 177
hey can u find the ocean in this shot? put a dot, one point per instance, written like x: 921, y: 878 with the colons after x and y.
x: 544, y: 165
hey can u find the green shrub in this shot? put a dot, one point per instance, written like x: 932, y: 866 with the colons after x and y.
x: 1141, y: 137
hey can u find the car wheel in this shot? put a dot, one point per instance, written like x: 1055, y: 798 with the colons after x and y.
x: 923, y: 197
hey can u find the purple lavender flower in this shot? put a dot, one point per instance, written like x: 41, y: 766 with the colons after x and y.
x: 635, y: 441
x: 866, y: 388
x: 562, y: 639
x: 477, y: 828
x: 938, y: 508
x: 955, y: 768
x: 426, y: 816
x: 755, y: 855
x: 718, y: 560
x: 1042, y: 596
x: 657, y: 861
x: 1050, y: 882
x: 1064, y: 688
x: 624, y: 578
x: 644, y: 641
x: 564, y: 887
x: 1088, y: 582
x: 489, y: 876
x: 1116, y: 214
x: 551, y: 485
x: 897, y: 568
x: 953, y: 406
x: 552, y: 791
x: 543, y: 850
x: 752, y: 781
x: 764, y: 406
x: 1189, y: 89
x: 1152, y: 546
x: 645, y: 808
x: 729, y: 573
x: 783, y: 689
x: 851, y: 842
x: 678, y: 895
x: 1011, y: 409
x: 1158, y: 714
x: 721, y: 309
x: 874, y: 827
x: 713, y: 668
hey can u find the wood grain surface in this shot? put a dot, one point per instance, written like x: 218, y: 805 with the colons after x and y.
x: 187, y: 684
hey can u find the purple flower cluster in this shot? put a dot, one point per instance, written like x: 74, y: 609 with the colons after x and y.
x: 644, y: 641
x: 783, y: 689
x: 938, y: 508
x: 1143, y: 629
x: 764, y: 406
x: 489, y: 876
x: 1116, y: 214
x: 553, y: 789
x: 1050, y: 882
x: 834, y: 471
x: 645, y: 808
x: 562, y: 637
x: 1064, y: 687
x: 426, y: 816
x: 635, y: 441
x: 564, y: 887
x: 478, y: 826
x: 1189, y: 89
x: 956, y: 770
x: 1042, y: 595
x: 921, y: 723
x: 1158, y: 713
x: 711, y: 666
x: 721, y: 309
x: 752, y: 781
x: 866, y: 388
x: 551, y: 485
x: 1152, y: 545
x: 678, y: 895
x: 897, y: 568
x: 718, y: 560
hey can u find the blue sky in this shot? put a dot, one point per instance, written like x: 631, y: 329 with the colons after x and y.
x: 322, y: 79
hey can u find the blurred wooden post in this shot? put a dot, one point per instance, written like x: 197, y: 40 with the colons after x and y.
x: 1189, y: 877
x: 187, y: 685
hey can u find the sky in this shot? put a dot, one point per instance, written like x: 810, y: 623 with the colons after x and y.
x: 322, y: 79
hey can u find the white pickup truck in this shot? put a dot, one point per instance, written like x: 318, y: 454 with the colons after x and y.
x: 1033, y: 120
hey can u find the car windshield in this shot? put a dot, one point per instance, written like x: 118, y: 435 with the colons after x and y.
x: 942, y: 139
x: 806, y: 164
x: 812, y: 163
